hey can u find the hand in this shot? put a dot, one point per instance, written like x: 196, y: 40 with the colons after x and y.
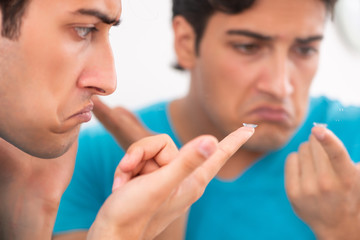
x: 323, y: 185
x: 142, y: 207
x: 155, y: 183
x: 33, y: 188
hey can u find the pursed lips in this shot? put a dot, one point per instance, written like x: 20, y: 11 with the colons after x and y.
x: 273, y: 114
x: 84, y: 114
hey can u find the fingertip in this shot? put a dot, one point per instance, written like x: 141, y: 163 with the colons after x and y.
x: 126, y: 164
x: 250, y: 129
x: 319, y: 132
x: 97, y: 102
x: 246, y: 131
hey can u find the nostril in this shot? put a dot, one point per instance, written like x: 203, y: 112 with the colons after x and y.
x: 98, y: 90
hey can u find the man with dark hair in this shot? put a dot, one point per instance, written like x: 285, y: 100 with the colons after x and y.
x: 54, y: 56
x: 249, y: 61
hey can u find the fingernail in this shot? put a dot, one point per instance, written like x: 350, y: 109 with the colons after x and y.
x: 116, y: 184
x: 319, y: 132
x: 250, y: 125
x: 207, y: 148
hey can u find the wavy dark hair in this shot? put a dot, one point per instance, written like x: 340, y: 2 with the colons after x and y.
x: 197, y: 12
x: 12, y: 12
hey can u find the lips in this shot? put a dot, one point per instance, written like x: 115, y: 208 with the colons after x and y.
x: 84, y: 115
x: 271, y: 114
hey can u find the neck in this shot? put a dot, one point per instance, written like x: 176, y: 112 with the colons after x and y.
x: 190, y: 120
x: 24, y: 215
x: 31, y: 191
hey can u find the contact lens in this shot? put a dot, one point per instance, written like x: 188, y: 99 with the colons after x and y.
x: 250, y: 125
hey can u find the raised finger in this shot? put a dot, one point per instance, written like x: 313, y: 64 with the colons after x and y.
x: 323, y: 167
x: 226, y: 148
x: 335, y: 150
x: 123, y: 124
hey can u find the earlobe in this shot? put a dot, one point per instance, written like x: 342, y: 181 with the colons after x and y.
x: 184, y: 41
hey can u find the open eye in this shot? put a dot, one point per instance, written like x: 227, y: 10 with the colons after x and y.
x: 305, y: 51
x: 248, y: 48
x: 83, y: 32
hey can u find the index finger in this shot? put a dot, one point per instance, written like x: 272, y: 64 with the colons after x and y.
x: 335, y: 150
x: 226, y: 148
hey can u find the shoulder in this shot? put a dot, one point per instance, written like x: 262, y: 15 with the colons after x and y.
x: 155, y: 117
x: 331, y: 110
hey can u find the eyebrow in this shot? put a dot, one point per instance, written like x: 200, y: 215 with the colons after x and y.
x: 309, y: 39
x: 269, y: 38
x: 250, y: 34
x: 102, y: 16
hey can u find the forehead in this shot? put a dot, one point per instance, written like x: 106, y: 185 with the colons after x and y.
x: 55, y: 8
x: 276, y: 18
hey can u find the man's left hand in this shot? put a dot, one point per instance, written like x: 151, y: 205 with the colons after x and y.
x: 323, y: 185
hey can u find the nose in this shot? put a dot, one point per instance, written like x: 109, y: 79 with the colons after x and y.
x: 99, y: 75
x: 276, y: 80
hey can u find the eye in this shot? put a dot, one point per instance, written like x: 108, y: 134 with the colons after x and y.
x: 248, y: 48
x: 305, y: 51
x: 83, y: 32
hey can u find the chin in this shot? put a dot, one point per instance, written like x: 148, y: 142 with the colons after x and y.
x: 48, y: 151
x: 53, y: 146
x: 266, y: 143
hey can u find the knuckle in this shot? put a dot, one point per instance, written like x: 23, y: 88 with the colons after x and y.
x: 190, y: 165
x: 348, y: 183
x: 310, y: 190
x: 326, y: 185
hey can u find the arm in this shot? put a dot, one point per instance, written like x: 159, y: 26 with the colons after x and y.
x: 323, y: 185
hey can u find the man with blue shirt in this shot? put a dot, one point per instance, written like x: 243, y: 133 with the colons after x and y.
x: 249, y: 61
x: 54, y: 56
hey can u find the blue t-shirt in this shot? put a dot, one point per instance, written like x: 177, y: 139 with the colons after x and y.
x: 252, y: 206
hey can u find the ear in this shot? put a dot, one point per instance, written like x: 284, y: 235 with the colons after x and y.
x: 184, y: 41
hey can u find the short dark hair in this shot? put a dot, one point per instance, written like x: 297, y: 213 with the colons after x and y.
x: 12, y: 12
x: 198, y: 12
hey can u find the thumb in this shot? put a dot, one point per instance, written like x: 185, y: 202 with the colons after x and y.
x: 190, y: 157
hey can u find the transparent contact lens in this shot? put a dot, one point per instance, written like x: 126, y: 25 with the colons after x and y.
x: 250, y: 125
x: 324, y: 125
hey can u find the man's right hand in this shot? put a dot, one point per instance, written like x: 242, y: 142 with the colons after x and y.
x: 155, y: 182
x: 145, y: 205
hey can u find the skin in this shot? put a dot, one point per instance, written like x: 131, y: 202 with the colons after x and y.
x: 323, y: 185
x: 62, y: 66
x: 48, y: 77
x: 264, y: 82
x: 263, y: 78
x: 237, y: 79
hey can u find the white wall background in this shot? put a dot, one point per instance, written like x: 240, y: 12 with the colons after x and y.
x: 143, y: 52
